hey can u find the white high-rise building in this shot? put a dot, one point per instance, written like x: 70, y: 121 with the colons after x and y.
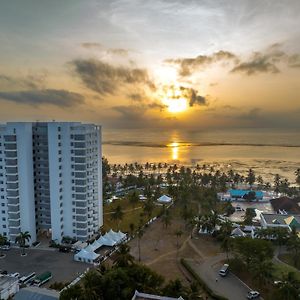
x: 50, y: 179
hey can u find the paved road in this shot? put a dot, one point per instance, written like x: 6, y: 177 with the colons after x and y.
x: 230, y: 286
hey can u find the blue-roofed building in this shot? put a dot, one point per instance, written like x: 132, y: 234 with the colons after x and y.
x: 242, y: 194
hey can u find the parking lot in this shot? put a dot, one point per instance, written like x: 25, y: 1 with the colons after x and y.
x: 238, y: 216
x: 61, y: 265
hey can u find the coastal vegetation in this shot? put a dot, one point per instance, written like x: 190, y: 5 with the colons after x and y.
x: 194, y: 193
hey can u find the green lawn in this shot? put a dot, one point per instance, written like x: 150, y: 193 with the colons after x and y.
x: 132, y: 214
x: 282, y: 269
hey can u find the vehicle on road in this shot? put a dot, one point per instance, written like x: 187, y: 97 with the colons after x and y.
x: 224, y: 270
x: 253, y: 295
x: 5, y: 247
x: 238, y: 208
x: 42, y: 278
x: 16, y: 275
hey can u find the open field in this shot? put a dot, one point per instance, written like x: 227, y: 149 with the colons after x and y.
x: 132, y: 214
x: 288, y: 259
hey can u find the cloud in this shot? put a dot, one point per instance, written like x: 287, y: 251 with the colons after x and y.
x: 90, y: 45
x: 61, y: 98
x: 99, y: 46
x: 189, y: 65
x: 105, y: 79
x: 136, y: 97
x: 259, y: 63
x: 118, y: 51
x: 188, y: 93
x: 294, y: 61
x: 30, y: 81
x: 252, y: 114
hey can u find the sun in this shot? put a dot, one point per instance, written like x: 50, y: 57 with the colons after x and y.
x: 174, y: 100
x: 176, y: 105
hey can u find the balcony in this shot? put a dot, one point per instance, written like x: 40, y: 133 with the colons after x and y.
x: 14, y: 223
x: 11, y: 154
x: 11, y: 170
x: 12, y: 186
x: 11, y: 162
x: 14, y: 209
x: 13, y: 201
x: 14, y: 231
x: 14, y: 215
x: 12, y: 193
x: 9, y: 147
x: 12, y: 178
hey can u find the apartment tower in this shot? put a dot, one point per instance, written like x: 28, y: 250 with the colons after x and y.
x: 50, y: 179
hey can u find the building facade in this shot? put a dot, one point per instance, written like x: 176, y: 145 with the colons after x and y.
x: 51, y: 179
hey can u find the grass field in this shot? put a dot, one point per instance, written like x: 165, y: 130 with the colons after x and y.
x: 132, y: 214
x: 281, y: 269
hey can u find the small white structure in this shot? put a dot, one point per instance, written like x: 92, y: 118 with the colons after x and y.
x: 79, y: 245
x: 8, y: 286
x: 142, y: 198
x: 86, y: 256
x: 237, y: 232
x: 164, y: 199
x: 110, y: 239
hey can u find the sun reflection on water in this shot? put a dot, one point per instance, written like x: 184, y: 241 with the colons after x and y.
x: 174, y: 150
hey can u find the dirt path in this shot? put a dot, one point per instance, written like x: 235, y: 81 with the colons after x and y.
x: 168, y: 253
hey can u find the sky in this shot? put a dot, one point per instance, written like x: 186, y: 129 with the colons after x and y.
x: 163, y: 64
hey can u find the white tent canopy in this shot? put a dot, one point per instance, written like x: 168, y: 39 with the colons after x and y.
x: 86, y: 256
x: 164, y: 199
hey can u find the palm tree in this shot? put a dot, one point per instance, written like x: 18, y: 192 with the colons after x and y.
x: 73, y: 292
x: 21, y: 239
x: 289, y: 288
x: 131, y: 228
x: 3, y: 241
x: 140, y: 233
x: 90, y: 283
x: 124, y: 258
x: 293, y: 245
x: 262, y: 271
x: 117, y: 215
x: 178, y: 234
x: 166, y: 218
x: 148, y: 207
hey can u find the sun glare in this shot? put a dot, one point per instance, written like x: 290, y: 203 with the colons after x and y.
x: 176, y: 105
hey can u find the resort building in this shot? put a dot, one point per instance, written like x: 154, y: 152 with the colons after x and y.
x: 50, y: 179
x: 241, y: 195
x: 280, y: 221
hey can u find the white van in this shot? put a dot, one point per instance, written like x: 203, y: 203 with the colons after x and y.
x: 224, y: 270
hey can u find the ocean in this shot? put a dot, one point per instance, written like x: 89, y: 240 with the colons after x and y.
x: 267, y: 151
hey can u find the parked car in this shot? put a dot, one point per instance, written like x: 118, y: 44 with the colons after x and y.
x: 16, y: 275
x: 253, y: 295
x: 224, y: 270
x: 3, y: 272
x: 238, y: 208
x: 5, y: 247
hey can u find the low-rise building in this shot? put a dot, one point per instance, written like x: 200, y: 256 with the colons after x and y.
x: 239, y: 194
x: 36, y: 293
x: 280, y: 221
x: 8, y: 286
x: 143, y: 296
